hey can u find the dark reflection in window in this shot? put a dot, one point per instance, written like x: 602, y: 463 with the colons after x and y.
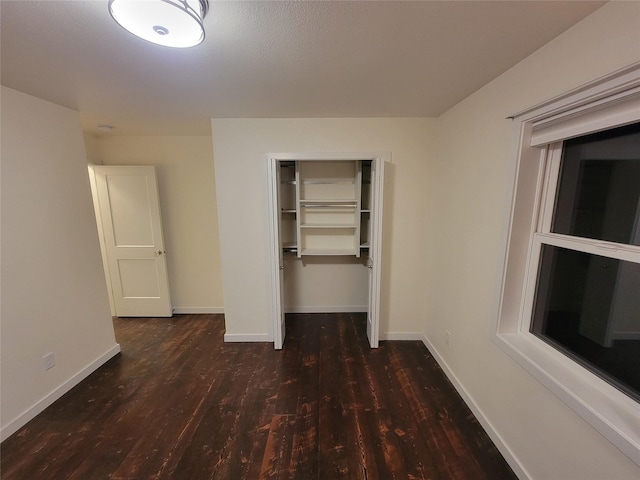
x: 599, y: 190
x: 588, y: 307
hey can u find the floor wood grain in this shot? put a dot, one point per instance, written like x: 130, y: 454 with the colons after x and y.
x: 178, y: 403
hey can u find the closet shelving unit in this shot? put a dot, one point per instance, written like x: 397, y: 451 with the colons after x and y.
x: 365, y: 206
x: 325, y: 207
x: 288, y: 210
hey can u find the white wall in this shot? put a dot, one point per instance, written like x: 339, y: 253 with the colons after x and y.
x: 326, y: 284
x: 186, y: 183
x: 54, y: 296
x: 471, y: 181
x: 240, y: 146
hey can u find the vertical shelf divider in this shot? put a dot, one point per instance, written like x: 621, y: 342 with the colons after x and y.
x: 298, y: 213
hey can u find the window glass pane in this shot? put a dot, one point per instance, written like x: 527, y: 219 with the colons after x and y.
x: 599, y: 189
x: 588, y: 306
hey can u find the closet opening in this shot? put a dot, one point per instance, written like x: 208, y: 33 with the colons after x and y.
x: 325, y: 235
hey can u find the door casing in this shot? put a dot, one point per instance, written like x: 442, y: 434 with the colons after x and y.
x: 275, y: 258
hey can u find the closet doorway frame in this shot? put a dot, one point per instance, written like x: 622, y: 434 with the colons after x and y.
x: 275, y: 257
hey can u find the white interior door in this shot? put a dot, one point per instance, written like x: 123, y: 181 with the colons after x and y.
x: 128, y: 213
x: 375, y: 252
x: 277, y: 260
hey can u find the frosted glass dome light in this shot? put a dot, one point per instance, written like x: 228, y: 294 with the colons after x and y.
x: 171, y: 23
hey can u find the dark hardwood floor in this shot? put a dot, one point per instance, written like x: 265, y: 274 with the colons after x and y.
x: 179, y: 403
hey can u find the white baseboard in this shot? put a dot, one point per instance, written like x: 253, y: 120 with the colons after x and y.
x: 506, y: 452
x: 247, y: 337
x: 21, y: 420
x: 402, y: 336
x: 327, y: 309
x: 197, y: 310
x: 258, y: 337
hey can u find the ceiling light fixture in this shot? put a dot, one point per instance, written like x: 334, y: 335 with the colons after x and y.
x: 171, y: 23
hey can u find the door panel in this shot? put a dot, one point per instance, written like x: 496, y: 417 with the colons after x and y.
x: 375, y: 252
x: 134, y: 275
x: 283, y: 330
x: 129, y: 199
x: 277, y: 260
x: 129, y: 213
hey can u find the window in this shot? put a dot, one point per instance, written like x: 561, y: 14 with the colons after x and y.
x: 570, y: 298
x: 587, y: 305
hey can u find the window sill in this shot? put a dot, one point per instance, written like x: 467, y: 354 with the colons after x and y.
x: 611, y: 412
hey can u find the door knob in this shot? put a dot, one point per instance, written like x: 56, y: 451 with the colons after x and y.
x: 160, y: 252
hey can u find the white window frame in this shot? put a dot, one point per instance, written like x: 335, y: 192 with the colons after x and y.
x: 608, y: 102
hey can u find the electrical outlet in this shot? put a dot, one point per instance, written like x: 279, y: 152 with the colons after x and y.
x: 49, y: 361
x: 447, y: 338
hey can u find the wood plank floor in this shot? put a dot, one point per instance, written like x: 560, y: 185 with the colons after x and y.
x: 178, y: 403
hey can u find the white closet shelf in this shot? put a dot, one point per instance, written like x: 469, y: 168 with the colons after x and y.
x: 290, y: 247
x: 329, y: 208
x: 351, y: 202
x: 329, y: 182
x: 327, y: 225
x: 328, y: 251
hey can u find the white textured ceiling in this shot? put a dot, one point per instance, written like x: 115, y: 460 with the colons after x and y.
x: 272, y: 59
